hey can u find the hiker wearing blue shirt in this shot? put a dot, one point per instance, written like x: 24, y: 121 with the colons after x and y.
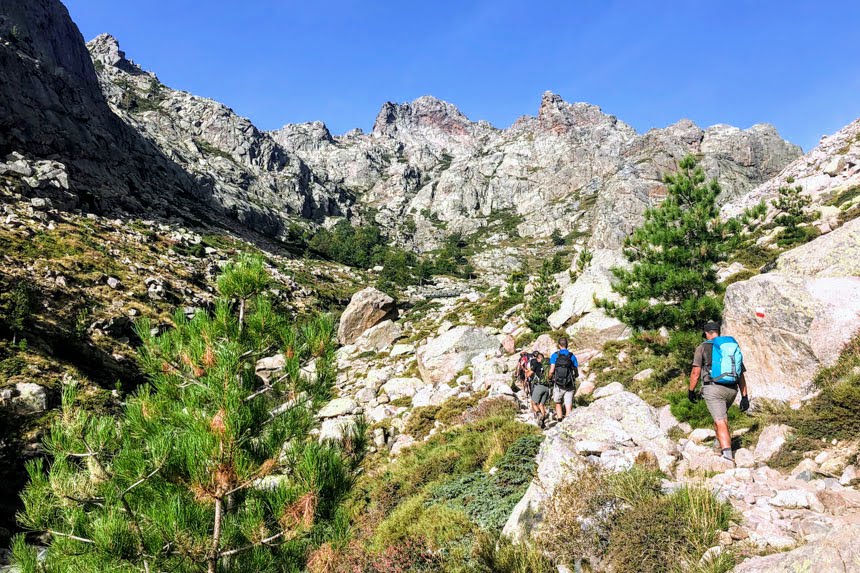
x: 719, y: 364
x: 563, y: 372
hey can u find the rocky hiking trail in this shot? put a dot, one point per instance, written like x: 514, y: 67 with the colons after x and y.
x: 390, y: 373
x: 91, y: 242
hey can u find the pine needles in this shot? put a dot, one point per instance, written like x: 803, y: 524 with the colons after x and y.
x: 209, y: 467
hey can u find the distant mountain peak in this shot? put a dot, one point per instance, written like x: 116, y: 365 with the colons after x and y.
x: 105, y: 48
x: 558, y: 116
x: 422, y: 113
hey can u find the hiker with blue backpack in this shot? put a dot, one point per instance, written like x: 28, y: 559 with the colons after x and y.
x: 563, y: 372
x: 719, y: 364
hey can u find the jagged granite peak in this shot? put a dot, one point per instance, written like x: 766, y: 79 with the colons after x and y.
x: 307, y: 137
x: 422, y: 113
x: 105, y: 50
x: 425, y: 169
x: 252, y: 175
x: 429, y: 171
x: 827, y: 171
x: 559, y: 117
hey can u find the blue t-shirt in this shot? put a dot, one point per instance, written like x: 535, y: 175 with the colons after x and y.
x: 554, y: 357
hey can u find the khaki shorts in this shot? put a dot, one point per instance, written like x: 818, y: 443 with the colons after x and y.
x: 565, y: 395
x: 718, y: 398
x: 540, y: 394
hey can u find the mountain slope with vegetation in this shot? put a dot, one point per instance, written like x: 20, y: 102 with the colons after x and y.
x: 173, y: 396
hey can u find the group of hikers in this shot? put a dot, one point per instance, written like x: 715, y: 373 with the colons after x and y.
x: 559, y: 382
x: 717, y: 364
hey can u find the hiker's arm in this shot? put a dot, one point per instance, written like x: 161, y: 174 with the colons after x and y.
x: 742, y: 384
x: 694, y: 377
x: 551, y: 371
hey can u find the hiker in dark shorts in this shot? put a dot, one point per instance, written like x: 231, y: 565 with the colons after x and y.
x: 540, y: 388
x: 719, y: 394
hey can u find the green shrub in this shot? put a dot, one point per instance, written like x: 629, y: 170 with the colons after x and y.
x: 415, y: 520
x: 623, y: 522
x: 793, y: 451
x: 697, y: 414
x: 489, y: 499
x: 835, y: 412
x: 445, y: 457
x: 666, y: 534
x: 491, y: 408
x: 498, y: 554
x: 421, y: 421
x: 634, y: 485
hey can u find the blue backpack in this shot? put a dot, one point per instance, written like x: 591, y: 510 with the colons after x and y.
x: 727, y: 361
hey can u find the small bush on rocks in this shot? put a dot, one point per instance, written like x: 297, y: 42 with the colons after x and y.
x: 488, y: 499
x: 498, y: 554
x: 624, y: 523
x: 835, y: 412
x: 697, y: 414
x: 491, y: 408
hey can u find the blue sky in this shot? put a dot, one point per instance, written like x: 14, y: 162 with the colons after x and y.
x: 791, y: 63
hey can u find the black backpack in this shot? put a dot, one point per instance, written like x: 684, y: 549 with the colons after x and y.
x: 565, y: 372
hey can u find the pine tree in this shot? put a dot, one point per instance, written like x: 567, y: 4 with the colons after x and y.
x: 793, y: 207
x: 540, y: 305
x: 20, y: 307
x: 242, y: 280
x: 557, y: 263
x: 672, y: 281
x: 582, y: 261
x: 208, y: 467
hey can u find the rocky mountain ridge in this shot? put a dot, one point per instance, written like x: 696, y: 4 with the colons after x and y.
x: 243, y: 166
x: 430, y: 171
x: 425, y: 170
x: 401, y: 364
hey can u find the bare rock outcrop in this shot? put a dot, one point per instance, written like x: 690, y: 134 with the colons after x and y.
x: 796, y: 320
x: 443, y: 357
x: 250, y: 174
x: 367, y: 308
x: 836, y: 552
x: 832, y: 167
x: 51, y: 107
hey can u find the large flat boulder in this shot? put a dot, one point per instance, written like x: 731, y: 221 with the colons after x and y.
x: 792, y: 322
x: 595, y: 282
x: 402, y: 387
x: 611, y: 432
x: 380, y: 336
x: 367, y: 308
x: 443, y: 357
x: 836, y: 254
x: 836, y: 552
x: 597, y: 328
x: 789, y: 327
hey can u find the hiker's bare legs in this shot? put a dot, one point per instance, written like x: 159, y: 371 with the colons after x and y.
x: 724, y: 435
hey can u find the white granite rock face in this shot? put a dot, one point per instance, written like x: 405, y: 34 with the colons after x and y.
x: 796, y: 320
